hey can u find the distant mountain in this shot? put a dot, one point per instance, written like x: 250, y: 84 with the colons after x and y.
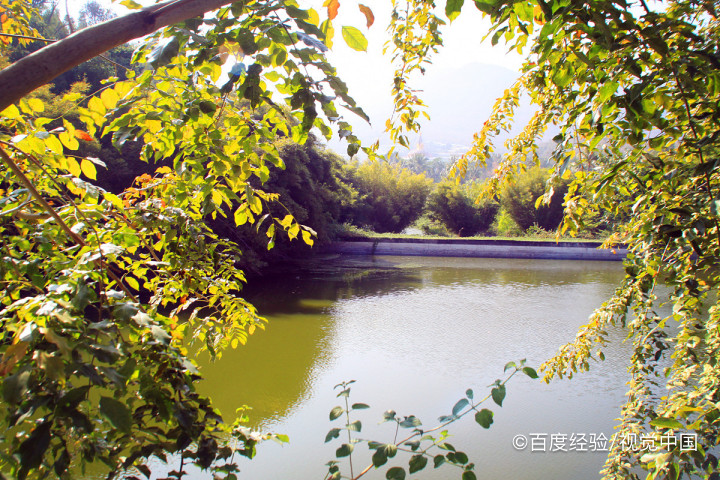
x: 459, y: 100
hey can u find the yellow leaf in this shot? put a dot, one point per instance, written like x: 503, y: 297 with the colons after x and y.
x: 96, y: 105
x: 153, y: 126
x: 217, y: 197
x: 109, y: 98
x: 163, y: 170
x: 313, y: 17
x: 115, y: 201
x: 241, y: 217
x: 54, y: 144
x: 88, y: 168
x: 69, y: 141
x: 287, y: 221
x: 307, y: 238
x: 11, y: 112
x: 36, y: 104
x: 132, y: 283
x: 255, y: 204
x: 74, y: 167
x: 293, y: 231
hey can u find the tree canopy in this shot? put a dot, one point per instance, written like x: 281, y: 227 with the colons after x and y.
x: 102, y: 291
x: 633, y: 87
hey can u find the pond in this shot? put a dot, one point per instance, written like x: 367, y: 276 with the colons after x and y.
x: 415, y: 333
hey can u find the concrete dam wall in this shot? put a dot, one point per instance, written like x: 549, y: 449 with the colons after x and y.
x: 477, y: 248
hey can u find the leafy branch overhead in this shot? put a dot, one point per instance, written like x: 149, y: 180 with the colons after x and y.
x: 102, y: 292
x: 633, y: 88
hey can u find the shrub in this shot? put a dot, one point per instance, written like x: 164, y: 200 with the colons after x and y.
x: 519, y: 199
x: 453, y: 206
x: 391, y: 197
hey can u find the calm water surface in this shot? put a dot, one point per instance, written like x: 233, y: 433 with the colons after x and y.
x: 415, y: 333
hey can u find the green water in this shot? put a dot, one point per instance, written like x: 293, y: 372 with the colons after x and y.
x: 415, y: 333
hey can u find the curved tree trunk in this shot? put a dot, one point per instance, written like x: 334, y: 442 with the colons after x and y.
x: 41, y: 67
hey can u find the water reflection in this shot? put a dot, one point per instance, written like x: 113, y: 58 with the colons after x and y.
x: 416, y: 332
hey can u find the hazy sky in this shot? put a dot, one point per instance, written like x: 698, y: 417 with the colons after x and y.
x: 369, y: 74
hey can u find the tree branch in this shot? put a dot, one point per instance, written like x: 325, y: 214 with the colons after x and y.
x: 41, y: 67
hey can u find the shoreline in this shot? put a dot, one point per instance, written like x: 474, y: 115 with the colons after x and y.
x: 488, y: 248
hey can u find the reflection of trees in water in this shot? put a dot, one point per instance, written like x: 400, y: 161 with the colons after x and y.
x: 521, y: 272
x: 272, y: 373
x: 275, y: 371
x: 311, y: 287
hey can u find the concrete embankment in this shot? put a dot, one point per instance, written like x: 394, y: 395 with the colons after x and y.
x: 477, y: 248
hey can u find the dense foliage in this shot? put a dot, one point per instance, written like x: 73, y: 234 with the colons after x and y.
x: 93, y: 283
x: 102, y: 292
x: 390, y: 197
x: 635, y: 89
x: 454, y: 206
x: 520, y: 199
x: 313, y: 187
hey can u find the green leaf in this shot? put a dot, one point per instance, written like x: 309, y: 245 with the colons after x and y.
x: 446, y: 446
x: 164, y: 52
x: 379, y: 458
x: 389, y: 415
x: 484, y: 418
x: 664, y: 422
x: 207, y: 107
x: 355, y: 426
x: 485, y: 6
x: 606, y: 91
x: 438, y: 460
x: 563, y: 76
x: 390, y: 449
x: 460, y: 406
x: 360, y: 406
x: 469, y: 475
x: 411, y: 422
x: 414, y: 445
x: 344, y: 450
x: 395, y: 473
x: 333, y: 433
x: 530, y: 372
x: 461, y: 458
x: 336, y: 412
x: 33, y: 448
x: 14, y: 387
x: 452, y: 10
x: 117, y: 413
x: 417, y: 463
x: 498, y: 394
x: 354, y: 39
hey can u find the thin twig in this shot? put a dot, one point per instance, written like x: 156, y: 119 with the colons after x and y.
x: 27, y: 37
